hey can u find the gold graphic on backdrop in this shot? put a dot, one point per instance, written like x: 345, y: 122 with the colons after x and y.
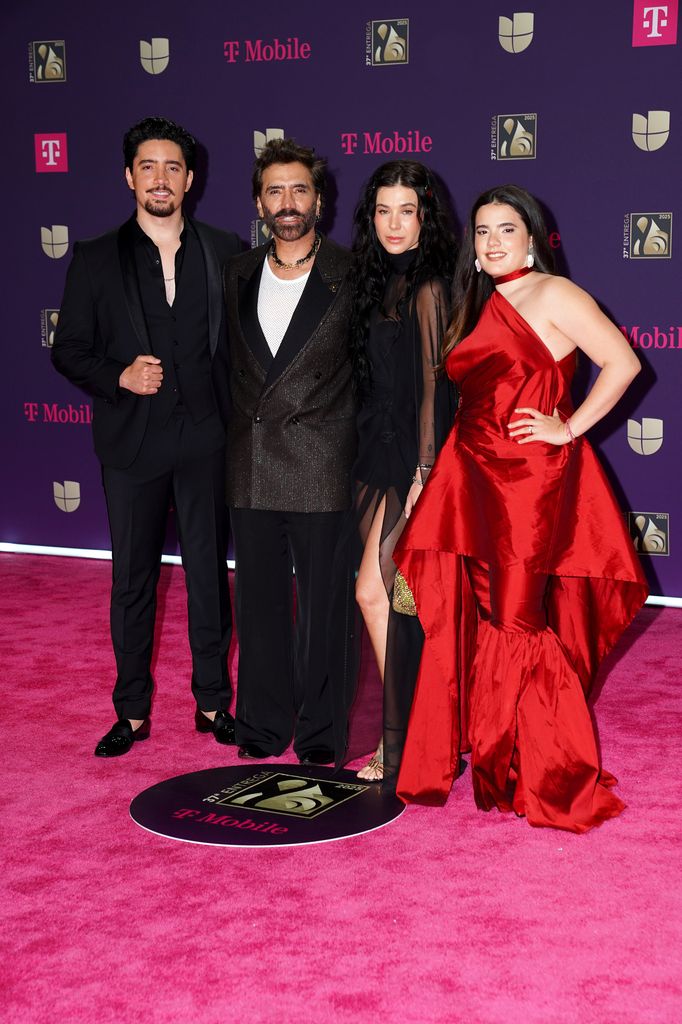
x: 48, y: 325
x: 277, y: 792
x: 646, y: 437
x: 154, y: 55
x: 516, y: 33
x: 650, y: 532
x: 260, y: 232
x: 55, y: 241
x: 67, y: 496
x: 651, y: 236
x: 261, y: 138
x: 651, y: 132
x: 389, y: 41
x: 47, y: 60
x: 516, y: 136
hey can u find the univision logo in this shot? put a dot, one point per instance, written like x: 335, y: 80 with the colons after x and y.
x: 516, y: 33
x: 154, y: 55
x: 646, y: 437
x: 260, y: 139
x: 67, y: 496
x: 651, y: 132
x: 55, y: 241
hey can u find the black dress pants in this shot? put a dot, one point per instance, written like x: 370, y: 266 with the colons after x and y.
x: 284, y: 653
x: 173, y: 465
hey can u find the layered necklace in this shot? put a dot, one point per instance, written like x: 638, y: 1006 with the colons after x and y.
x: 297, y: 263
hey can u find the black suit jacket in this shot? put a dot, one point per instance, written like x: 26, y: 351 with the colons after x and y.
x: 291, y: 435
x: 102, y: 329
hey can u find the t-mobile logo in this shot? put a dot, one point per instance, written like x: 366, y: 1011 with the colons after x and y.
x: 654, y: 24
x: 51, y: 153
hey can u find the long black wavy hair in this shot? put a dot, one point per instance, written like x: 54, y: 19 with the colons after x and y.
x: 436, y: 253
x: 471, y: 289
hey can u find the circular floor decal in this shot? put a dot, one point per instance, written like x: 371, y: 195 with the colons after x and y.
x: 264, y: 805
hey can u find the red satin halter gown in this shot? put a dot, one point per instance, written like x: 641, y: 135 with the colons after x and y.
x: 524, y: 577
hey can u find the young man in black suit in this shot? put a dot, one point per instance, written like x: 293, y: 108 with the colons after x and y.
x: 291, y: 445
x: 142, y: 329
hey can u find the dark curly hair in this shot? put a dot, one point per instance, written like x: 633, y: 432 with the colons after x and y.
x: 158, y: 128
x: 436, y: 252
x: 471, y: 290
x: 287, y: 151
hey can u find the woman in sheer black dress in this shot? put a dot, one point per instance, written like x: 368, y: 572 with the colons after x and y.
x: 404, y: 260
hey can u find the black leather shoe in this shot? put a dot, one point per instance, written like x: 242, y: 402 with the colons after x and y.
x: 121, y: 737
x: 317, y: 755
x: 222, y: 726
x: 252, y: 750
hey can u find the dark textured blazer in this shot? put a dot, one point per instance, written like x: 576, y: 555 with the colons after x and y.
x: 291, y: 435
x: 102, y: 329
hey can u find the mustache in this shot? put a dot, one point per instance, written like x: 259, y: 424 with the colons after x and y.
x: 287, y: 213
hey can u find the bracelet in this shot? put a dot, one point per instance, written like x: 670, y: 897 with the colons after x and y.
x: 415, y: 481
x: 425, y: 465
x: 571, y: 435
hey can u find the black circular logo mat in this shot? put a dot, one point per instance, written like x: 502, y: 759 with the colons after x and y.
x: 264, y: 805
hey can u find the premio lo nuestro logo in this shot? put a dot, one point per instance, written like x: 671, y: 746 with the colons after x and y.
x: 51, y: 153
x: 650, y: 132
x: 55, y: 241
x: 47, y: 61
x: 513, y: 137
x: 648, y: 236
x: 67, y: 495
x: 154, y: 55
x: 48, y: 325
x: 646, y: 437
x: 260, y: 139
x: 516, y: 33
x: 288, y: 805
x: 260, y: 233
x: 654, y: 24
x: 650, y: 532
x: 387, y: 42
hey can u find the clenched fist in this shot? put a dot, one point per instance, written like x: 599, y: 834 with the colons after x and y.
x: 143, y: 377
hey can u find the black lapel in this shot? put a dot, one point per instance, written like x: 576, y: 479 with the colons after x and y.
x: 248, y: 317
x: 131, y: 288
x: 214, y: 287
x: 314, y: 302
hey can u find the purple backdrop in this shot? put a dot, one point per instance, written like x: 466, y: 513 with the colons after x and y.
x: 578, y: 102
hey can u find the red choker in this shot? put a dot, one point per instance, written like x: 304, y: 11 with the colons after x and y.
x: 515, y: 274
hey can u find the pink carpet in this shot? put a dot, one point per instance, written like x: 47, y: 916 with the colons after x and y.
x: 446, y: 915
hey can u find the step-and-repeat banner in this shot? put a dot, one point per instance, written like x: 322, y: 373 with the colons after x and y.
x: 578, y: 102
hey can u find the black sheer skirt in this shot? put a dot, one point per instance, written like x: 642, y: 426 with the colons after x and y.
x: 403, y: 421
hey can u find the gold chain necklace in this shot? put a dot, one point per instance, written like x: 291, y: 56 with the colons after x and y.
x: 298, y: 263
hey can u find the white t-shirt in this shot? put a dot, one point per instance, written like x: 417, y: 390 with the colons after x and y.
x: 277, y: 300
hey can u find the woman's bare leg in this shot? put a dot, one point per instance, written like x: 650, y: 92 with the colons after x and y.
x: 370, y: 592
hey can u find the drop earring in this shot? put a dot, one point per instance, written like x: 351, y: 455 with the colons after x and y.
x: 530, y: 259
x: 477, y: 264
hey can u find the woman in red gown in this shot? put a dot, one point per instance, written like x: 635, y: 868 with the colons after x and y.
x: 522, y: 571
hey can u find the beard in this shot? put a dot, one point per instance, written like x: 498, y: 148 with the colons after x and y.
x: 160, y: 207
x: 305, y: 222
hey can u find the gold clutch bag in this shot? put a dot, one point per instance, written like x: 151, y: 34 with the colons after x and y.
x: 403, y: 599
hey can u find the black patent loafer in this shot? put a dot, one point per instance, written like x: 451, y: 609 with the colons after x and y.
x: 222, y: 726
x: 121, y: 737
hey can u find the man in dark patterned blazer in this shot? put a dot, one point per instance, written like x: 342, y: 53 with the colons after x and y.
x: 291, y: 444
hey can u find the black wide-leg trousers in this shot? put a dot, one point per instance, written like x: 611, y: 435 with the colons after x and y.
x: 284, y: 685
x: 172, y: 466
